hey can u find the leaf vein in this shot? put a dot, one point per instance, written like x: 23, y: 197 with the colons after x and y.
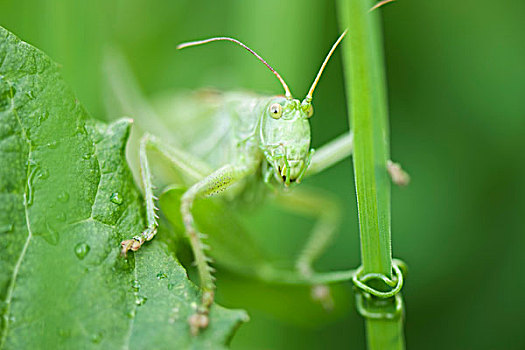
x: 18, y: 264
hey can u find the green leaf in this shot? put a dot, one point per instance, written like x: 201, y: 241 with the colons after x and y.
x: 67, y: 199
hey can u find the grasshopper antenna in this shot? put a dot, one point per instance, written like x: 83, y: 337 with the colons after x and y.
x: 288, y: 94
x: 308, y: 97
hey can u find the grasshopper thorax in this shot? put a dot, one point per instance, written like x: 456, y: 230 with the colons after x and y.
x: 284, y: 134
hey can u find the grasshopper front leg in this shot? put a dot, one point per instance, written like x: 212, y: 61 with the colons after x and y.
x: 209, y: 186
x: 151, y: 216
x: 186, y: 164
x: 331, y: 153
x: 342, y: 147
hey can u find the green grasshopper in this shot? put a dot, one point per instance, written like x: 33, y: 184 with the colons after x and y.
x: 249, y: 140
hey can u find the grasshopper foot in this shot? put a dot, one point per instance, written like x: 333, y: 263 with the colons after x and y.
x: 197, y: 322
x: 321, y: 293
x: 130, y: 244
x: 398, y: 175
x: 200, y: 319
x: 136, y: 242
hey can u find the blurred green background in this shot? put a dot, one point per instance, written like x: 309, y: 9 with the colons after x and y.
x: 456, y: 79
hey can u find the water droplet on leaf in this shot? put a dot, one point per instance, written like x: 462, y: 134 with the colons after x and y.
x: 42, y: 117
x: 97, y: 337
x: 28, y: 196
x: 81, y: 250
x: 135, y: 285
x: 140, y: 300
x: 161, y: 276
x: 50, y: 236
x: 63, y: 197
x: 30, y: 94
x: 44, y: 174
x: 116, y: 198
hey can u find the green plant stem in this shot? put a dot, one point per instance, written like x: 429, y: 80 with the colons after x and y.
x: 366, y: 94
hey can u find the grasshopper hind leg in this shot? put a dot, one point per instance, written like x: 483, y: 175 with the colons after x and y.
x: 326, y: 210
x: 214, y: 183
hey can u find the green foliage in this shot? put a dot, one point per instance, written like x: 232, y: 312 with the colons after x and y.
x: 455, y: 90
x: 67, y: 198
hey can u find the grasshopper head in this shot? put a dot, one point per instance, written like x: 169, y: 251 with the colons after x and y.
x: 285, y: 130
x: 284, y: 127
x: 285, y: 138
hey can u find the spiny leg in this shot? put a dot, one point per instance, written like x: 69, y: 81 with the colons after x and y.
x: 190, y: 166
x: 212, y: 184
x: 195, y: 171
x: 328, y: 213
x: 151, y: 216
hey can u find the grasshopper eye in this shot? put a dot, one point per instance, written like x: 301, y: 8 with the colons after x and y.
x: 276, y: 110
x: 310, y: 111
